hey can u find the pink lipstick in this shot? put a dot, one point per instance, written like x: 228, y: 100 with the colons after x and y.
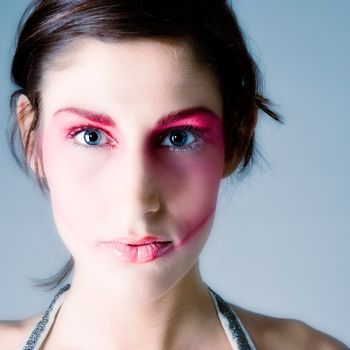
x: 146, y: 249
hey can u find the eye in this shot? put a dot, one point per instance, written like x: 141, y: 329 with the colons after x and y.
x: 90, y: 138
x: 179, y: 138
x: 182, y: 139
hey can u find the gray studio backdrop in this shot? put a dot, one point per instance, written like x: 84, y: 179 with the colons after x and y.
x: 280, y: 242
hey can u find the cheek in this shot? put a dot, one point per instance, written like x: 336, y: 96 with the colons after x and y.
x: 74, y: 186
x: 193, y: 193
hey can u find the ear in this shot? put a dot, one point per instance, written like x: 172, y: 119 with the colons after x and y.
x: 247, y: 130
x: 25, y: 116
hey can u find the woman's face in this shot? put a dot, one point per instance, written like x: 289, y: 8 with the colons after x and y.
x: 133, y: 153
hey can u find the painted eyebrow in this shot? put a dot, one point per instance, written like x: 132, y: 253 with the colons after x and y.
x: 183, y: 114
x: 106, y: 120
x: 99, y: 118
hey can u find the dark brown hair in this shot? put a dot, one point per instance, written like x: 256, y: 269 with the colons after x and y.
x: 210, y: 28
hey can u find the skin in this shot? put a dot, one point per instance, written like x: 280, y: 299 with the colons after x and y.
x: 133, y: 188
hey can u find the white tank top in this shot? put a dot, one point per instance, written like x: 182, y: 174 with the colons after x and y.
x: 236, y: 333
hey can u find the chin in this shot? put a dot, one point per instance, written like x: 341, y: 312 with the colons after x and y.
x: 141, y: 283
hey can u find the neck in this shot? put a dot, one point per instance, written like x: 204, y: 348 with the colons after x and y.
x: 91, y: 318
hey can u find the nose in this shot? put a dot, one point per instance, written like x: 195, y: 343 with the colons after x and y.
x: 148, y: 198
x: 142, y: 190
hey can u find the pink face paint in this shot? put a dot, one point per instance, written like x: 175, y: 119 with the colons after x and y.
x: 200, y: 117
x: 99, y: 118
x: 195, y: 230
x: 207, y: 123
x: 174, y: 117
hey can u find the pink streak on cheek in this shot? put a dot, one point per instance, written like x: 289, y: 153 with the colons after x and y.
x: 195, y: 230
x: 192, y: 233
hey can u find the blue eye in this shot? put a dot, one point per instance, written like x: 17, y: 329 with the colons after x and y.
x: 91, y: 138
x: 182, y: 139
x: 179, y: 138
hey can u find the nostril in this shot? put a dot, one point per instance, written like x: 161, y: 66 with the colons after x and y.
x: 152, y: 208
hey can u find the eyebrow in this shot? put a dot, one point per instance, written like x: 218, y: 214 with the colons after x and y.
x: 185, y: 113
x: 106, y: 120
x: 100, y: 118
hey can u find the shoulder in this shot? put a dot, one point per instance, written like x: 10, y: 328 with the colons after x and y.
x: 280, y: 333
x: 13, y: 333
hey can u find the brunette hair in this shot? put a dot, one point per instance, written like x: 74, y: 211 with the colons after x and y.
x: 209, y: 26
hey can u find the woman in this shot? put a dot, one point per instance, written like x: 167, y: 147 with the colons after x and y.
x: 130, y: 114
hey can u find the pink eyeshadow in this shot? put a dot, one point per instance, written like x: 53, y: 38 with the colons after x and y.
x: 208, y: 124
x: 99, y: 118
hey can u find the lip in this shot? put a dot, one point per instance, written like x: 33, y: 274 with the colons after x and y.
x: 146, y: 249
x: 143, y: 240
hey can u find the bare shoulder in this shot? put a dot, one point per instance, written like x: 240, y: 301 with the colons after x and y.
x: 13, y: 333
x: 280, y: 333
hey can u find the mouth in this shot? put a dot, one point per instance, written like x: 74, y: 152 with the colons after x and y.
x: 138, y: 251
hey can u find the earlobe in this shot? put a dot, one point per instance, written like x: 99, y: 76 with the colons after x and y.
x: 25, y: 116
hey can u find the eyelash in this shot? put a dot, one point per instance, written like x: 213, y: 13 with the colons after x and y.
x: 77, y: 130
x: 196, y: 132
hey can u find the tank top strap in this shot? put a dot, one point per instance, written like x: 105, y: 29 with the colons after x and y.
x: 237, y: 334
x: 42, y: 328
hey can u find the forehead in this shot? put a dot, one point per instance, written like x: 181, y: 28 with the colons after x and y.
x: 128, y: 77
